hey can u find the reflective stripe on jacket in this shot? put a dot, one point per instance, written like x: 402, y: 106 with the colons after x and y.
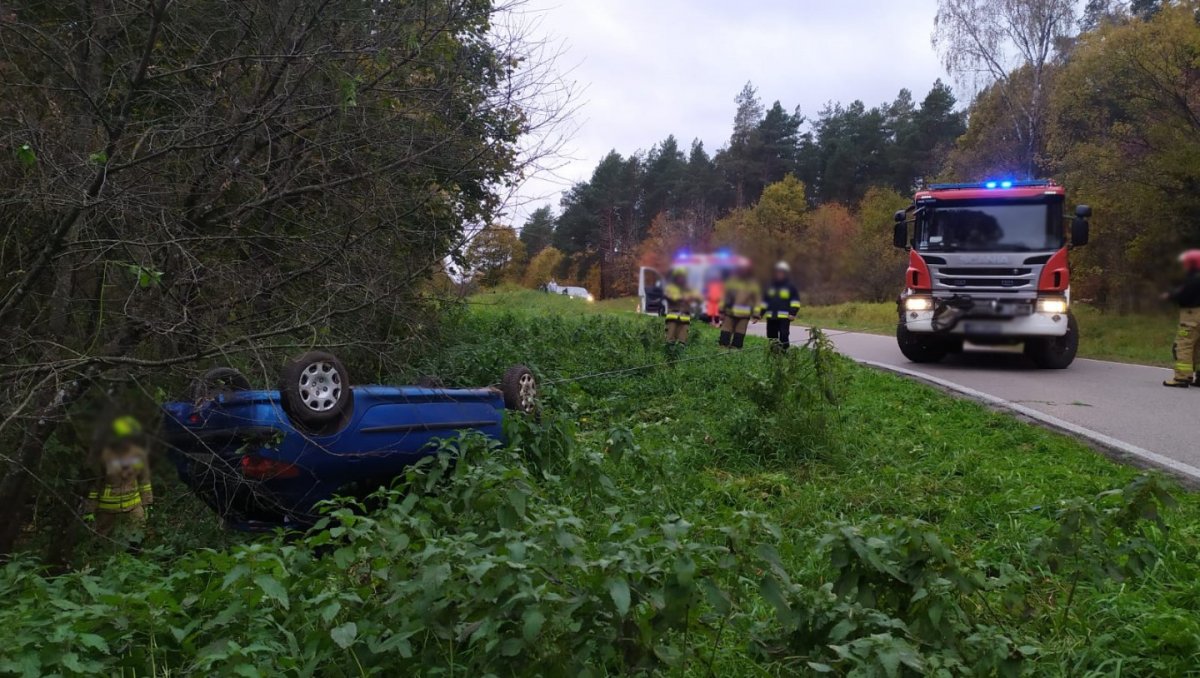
x: 782, y: 300
x: 678, y: 303
x: 743, y: 298
x: 114, y: 502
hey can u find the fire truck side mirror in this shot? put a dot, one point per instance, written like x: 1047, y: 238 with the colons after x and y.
x: 1080, y: 229
x: 900, y: 230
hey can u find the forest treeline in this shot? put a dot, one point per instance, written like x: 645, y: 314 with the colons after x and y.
x: 1105, y: 101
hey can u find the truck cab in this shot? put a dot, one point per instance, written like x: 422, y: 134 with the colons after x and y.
x: 989, y: 263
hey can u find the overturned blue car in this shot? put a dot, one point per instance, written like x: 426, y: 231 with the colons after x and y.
x: 265, y: 458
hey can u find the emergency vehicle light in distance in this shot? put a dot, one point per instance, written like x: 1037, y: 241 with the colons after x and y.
x: 990, y: 184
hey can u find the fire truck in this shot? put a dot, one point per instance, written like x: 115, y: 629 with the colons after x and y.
x: 988, y: 263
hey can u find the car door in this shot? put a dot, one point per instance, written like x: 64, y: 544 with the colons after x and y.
x: 648, y: 279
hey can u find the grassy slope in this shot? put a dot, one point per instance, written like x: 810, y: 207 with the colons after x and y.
x: 704, y: 454
x: 1143, y: 338
x: 984, y: 479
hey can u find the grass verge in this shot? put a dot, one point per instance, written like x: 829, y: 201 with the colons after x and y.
x: 712, y: 514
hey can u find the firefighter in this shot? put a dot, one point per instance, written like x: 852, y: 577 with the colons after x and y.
x: 679, y: 307
x: 782, y: 305
x: 124, y: 493
x: 743, y: 303
x: 1187, y: 340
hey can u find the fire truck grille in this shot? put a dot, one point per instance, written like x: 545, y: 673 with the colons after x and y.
x: 989, y: 272
x: 1004, y: 283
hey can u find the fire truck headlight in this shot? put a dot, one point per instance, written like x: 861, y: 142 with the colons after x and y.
x: 1052, y: 305
x: 591, y: 297
x: 918, y: 303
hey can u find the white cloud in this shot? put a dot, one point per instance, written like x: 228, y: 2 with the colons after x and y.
x: 649, y: 68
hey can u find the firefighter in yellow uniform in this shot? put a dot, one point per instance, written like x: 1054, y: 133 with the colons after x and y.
x: 743, y: 303
x: 1187, y: 340
x: 124, y: 494
x: 679, y: 307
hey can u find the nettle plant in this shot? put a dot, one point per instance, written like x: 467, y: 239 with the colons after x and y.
x: 1112, y: 536
x: 899, y: 602
x: 793, y: 402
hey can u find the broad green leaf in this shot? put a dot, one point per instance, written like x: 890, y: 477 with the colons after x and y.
x: 618, y: 588
x: 533, y: 621
x: 273, y: 589
x: 26, y: 156
x: 345, y: 634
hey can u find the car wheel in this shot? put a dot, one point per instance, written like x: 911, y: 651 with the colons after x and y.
x: 921, y: 347
x: 217, y: 381
x: 1055, y: 353
x: 315, y: 389
x: 520, y: 389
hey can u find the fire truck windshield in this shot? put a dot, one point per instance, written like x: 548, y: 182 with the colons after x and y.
x: 990, y: 227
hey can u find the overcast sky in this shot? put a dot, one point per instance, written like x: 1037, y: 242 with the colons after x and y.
x: 648, y: 68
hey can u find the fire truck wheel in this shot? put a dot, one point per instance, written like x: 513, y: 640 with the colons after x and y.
x: 1055, y: 353
x: 922, y: 347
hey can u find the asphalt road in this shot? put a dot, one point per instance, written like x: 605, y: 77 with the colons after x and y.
x: 1118, y: 407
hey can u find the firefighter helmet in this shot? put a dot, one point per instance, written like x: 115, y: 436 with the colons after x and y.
x: 126, y: 427
x: 783, y: 266
x: 1190, y: 260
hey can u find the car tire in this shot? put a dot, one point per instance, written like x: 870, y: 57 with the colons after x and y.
x: 520, y: 389
x: 1055, y: 353
x: 921, y: 347
x: 315, y: 389
x: 216, y: 381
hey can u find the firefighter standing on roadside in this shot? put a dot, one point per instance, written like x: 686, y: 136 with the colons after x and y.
x: 679, y: 307
x: 124, y: 493
x: 1187, y: 340
x: 743, y: 303
x: 782, y: 304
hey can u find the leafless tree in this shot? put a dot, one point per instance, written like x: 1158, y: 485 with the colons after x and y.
x: 228, y: 180
x: 1008, y: 44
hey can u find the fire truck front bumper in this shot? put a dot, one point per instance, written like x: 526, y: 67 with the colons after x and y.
x: 1037, y: 324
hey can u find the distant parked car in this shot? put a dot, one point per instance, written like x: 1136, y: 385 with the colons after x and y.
x: 265, y: 458
x: 573, y: 292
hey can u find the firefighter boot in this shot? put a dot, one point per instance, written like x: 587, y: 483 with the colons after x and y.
x: 727, y: 327
x: 739, y: 327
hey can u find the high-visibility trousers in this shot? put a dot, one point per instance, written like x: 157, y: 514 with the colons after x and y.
x: 1187, y: 354
x: 677, y: 327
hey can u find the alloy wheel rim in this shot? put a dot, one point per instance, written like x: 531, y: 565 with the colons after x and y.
x: 320, y: 386
x: 527, y: 392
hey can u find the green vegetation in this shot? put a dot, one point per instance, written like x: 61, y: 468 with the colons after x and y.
x: 1134, y: 338
x: 727, y: 514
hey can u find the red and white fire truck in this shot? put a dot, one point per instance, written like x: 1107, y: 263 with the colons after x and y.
x: 988, y: 263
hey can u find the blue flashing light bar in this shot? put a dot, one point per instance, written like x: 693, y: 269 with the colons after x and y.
x: 1027, y: 183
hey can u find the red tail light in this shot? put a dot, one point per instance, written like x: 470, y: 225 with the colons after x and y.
x: 260, y: 468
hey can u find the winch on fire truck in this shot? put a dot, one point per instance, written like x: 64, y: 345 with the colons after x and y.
x: 988, y: 263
